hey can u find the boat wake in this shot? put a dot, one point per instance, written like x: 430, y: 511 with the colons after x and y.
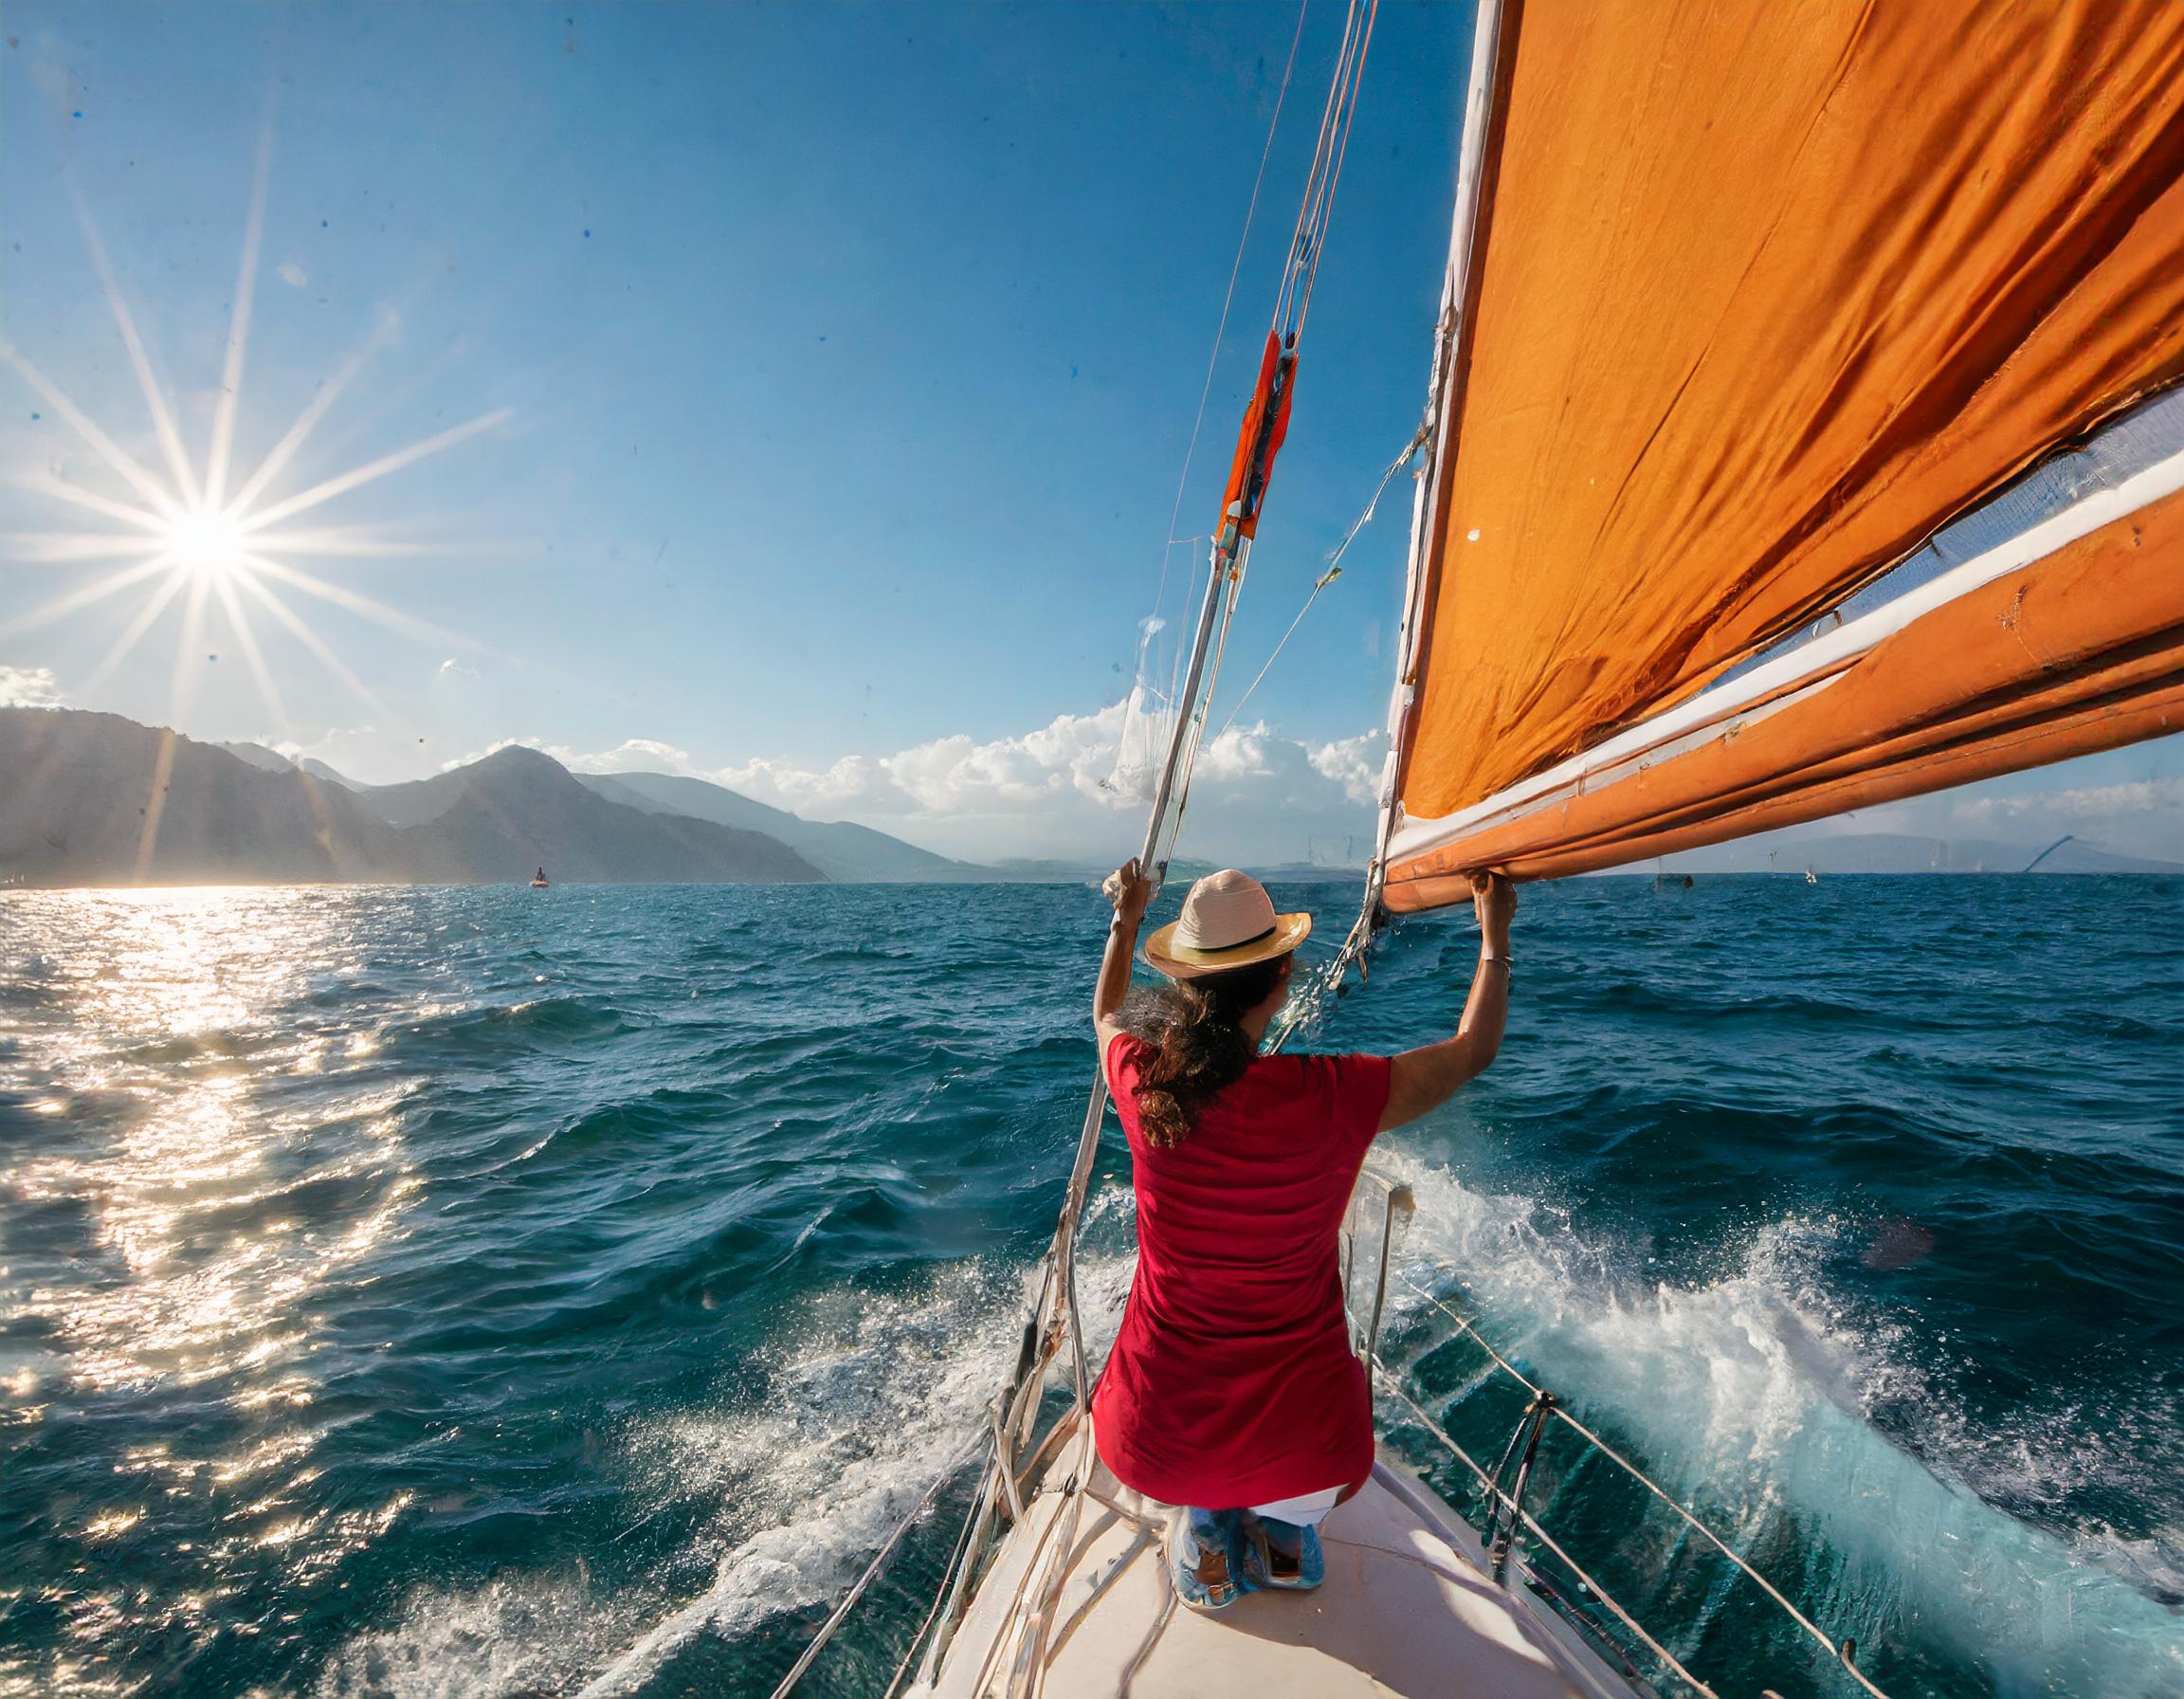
x: 867, y: 1399
x: 1753, y: 1397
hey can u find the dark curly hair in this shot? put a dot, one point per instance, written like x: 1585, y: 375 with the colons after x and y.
x: 1193, y: 1029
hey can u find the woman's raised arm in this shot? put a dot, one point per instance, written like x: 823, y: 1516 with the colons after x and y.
x: 1129, y: 889
x: 1421, y: 1079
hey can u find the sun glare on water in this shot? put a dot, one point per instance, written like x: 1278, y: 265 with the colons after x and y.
x: 183, y: 537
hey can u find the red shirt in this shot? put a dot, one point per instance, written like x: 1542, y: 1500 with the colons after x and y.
x: 1232, y: 1381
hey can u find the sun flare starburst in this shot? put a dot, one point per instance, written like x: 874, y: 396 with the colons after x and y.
x: 182, y: 538
x: 205, y: 543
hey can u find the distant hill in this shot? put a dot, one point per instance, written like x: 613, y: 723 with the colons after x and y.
x: 96, y: 799
x: 319, y: 769
x: 258, y: 755
x: 519, y: 808
x: 842, y: 851
x: 1892, y: 852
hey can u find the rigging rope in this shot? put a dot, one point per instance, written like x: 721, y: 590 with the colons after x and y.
x: 1213, y: 358
x: 1313, y: 216
x: 1333, y: 572
x: 1055, y: 1311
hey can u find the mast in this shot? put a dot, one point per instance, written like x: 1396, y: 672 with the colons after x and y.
x: 1259, y: 438
x: 1441, y: 421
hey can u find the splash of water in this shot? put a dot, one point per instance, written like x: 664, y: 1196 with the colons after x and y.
x: 1753, y: 1397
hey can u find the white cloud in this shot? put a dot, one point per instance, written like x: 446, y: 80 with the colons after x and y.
x: 1065, y: 762
x: 633, y: 754
x: 2092, y: 802
x: 1355, y: 763
x: 29, y: 688
x: 1074, y: 787
x: 294, y: 275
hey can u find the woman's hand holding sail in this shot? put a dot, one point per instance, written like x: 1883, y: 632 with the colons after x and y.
x: 1494, y: 901
x: 1423, y: 1078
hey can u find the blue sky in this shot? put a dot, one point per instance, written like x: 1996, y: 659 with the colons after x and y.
x: 848, y: 356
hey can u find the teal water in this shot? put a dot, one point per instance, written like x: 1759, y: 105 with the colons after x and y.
x: 489, y: 1292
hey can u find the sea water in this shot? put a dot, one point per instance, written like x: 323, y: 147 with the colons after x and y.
x: 489, y: 1292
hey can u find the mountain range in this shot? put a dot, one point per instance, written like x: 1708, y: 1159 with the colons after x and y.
x: 90, y: 799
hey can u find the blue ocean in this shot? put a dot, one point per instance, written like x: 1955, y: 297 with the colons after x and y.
x: 469, y: 1292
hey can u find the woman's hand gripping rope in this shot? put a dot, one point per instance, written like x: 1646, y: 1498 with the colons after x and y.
x: 1128, y: 888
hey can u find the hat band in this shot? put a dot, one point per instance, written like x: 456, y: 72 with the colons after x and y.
x: 1241, y: 944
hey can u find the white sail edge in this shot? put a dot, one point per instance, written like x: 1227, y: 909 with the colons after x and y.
x: 1794, y: 676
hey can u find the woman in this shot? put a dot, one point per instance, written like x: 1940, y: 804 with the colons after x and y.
x: 1232, y: 1390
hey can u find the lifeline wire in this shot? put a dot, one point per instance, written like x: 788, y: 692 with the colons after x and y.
x: 1539, y: 1533
x: 840, y: 1615
x: 1645, y: 1480
x: 939, y: 1598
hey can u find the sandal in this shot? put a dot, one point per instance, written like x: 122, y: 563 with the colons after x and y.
x: 1201, y: 1549
x: 1270, y: 1564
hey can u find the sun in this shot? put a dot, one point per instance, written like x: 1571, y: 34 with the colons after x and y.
x: 206, y: 545
x: 196, y: 542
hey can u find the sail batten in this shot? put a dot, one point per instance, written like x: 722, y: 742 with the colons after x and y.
x: 1759, y: 297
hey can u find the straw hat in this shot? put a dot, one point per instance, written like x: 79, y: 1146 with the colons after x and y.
x: 1228, y: 920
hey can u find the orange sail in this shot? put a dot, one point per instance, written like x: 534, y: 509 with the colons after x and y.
x: 1749, y: 302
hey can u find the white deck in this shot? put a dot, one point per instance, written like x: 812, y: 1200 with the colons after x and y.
x: 1405, y: 1610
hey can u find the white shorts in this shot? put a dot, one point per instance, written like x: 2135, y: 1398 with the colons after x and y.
x: 1304, y: 1510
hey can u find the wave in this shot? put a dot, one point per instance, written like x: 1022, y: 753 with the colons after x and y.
x: 508, y: 1638
x: 536, y: 1018
x: 865, y: 1398
x: 1753, y: 1394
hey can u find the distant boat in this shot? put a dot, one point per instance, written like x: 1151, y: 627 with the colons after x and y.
x: 1810, y: 877
x: 539, y: 880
